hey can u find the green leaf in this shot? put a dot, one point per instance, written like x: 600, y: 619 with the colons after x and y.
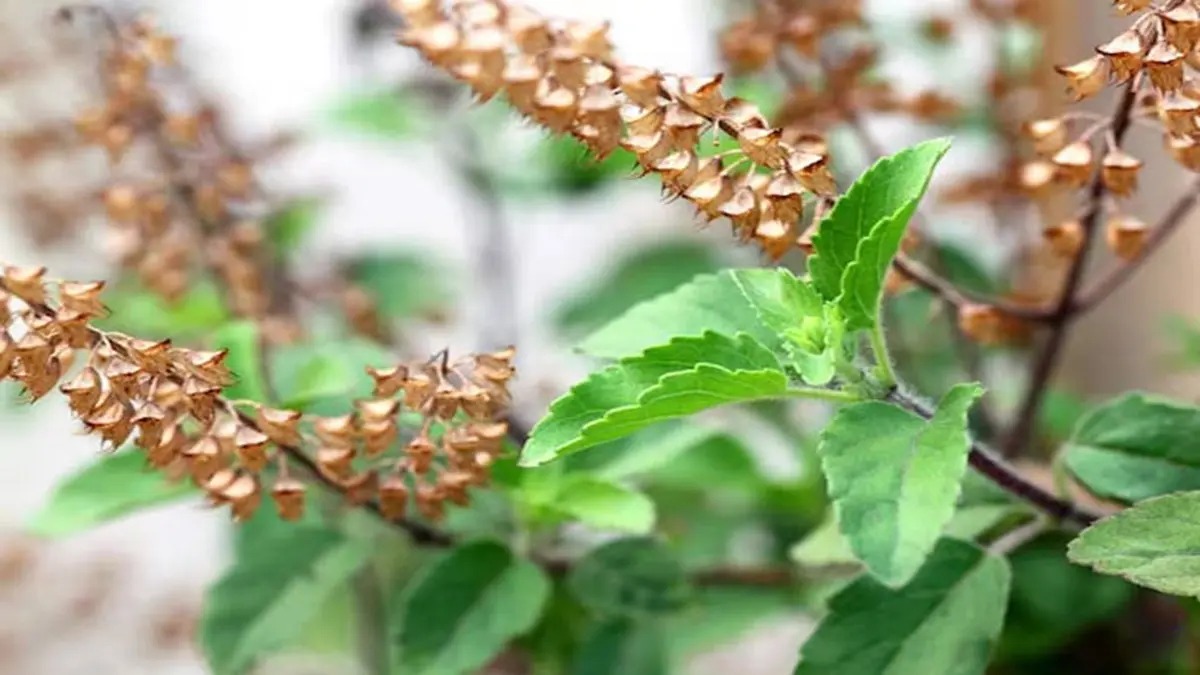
x: 720, y: 615
x: 644, y: 274
x: 720, y: 463
x: 862, y: 281
x: 148, y: 315
x: 945, y: 620
x: 1052, y: 600
x: 242, y: 340
x: 813, y: 331
x: 325, y: 377
x: 465, y: 608
x: 778, y: 310
x: 385, y: 114
x: 275, y: 587
x: 719, y: 303
x: 548, y: 496
x: 623, y: 647
x: 404, y: 283
x: 856, y: 241
x: 606, y: 505
x: 640, y: 453
x: 116, y: 485
x: 633, y: 577
x: 1061, y: 413
x: 572, y: 170
x: 677, y: 379
x: 287, y: 227
x: 1154, y: 543
x: 894, y: 479
x: 826, y: 546
x: 1137, y: 446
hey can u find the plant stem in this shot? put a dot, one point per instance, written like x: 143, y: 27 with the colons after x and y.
x: 832, y: 395
x: 748, y: 577
x: 883, y: 358
x: 1046, y: 359
x: 370, y: 622
x: 1018, y: 537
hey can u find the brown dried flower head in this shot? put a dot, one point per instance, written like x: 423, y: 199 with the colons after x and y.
x: 564, y: 75
x: 167, y: 401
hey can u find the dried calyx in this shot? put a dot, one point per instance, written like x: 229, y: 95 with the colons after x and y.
x: 564, y: 75
x: 168, y: 402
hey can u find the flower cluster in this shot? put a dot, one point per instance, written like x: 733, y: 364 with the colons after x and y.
x: 168, y: 402
x: 563, y: 74
x: 1155, y: 60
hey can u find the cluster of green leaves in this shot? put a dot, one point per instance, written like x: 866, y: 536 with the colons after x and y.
x: 893, y: 476
x: 1144, y: 451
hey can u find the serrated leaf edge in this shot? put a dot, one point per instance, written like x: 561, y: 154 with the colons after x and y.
x: 861, y: 184
x: 582, y: 440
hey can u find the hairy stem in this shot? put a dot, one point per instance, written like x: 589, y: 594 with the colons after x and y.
x: 831, y: 395
x: 883, y: 358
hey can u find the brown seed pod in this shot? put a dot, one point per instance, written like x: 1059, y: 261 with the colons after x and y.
x: 1124, y: 54
x: 1120, y: 172
x: 289, y: 497
x: 335, y: 460
x: 393, y: 497
x: 1073, y: 164
x: 1065, y: 238
x: 1164, y: 65
x: 1126, y: 236
x: 1086, y: 78
x: 281, y: 426
x: 1048, y: 135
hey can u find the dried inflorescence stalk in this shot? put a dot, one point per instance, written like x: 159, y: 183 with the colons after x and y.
x: 168, y: 401
x: 563, y: 74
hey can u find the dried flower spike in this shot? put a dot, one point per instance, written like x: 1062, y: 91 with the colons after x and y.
x: 566, y: 79
x: 171, y: 398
